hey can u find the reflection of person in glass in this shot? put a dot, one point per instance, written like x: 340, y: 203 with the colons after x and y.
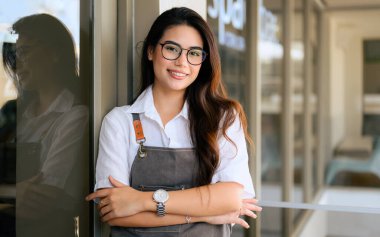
x: 51, y: 122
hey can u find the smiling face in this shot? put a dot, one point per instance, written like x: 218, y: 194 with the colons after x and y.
x: 178, y: 74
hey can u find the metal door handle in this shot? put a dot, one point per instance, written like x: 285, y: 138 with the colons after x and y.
x: 76, y: 226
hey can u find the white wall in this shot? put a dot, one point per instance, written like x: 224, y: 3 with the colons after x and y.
x: 347, y: 31
x: 197, y: 5
x: 353, y: 224
x: 345, y: 224
x: 316, y: 226
x: 342, y: 224
x: 337, y: 89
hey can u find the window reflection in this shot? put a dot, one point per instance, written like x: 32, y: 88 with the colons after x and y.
x: 271, y: 55
x: 43, y: 130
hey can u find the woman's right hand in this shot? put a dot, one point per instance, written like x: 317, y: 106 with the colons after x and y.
x: 247, y: 209
x: 119, y: 201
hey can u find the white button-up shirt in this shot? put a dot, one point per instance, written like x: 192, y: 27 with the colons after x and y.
x: 118, y: 146
x: 60, y: 131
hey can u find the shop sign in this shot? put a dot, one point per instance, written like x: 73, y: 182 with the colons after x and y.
x: 269, y: 26
x: 233, y: 13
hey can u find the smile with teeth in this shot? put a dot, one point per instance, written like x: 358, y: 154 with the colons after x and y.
x: 178, y: 74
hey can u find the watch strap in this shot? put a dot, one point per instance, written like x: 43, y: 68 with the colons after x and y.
x: 160, y: 209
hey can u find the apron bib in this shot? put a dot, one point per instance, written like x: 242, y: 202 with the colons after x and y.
x: 170, y: 169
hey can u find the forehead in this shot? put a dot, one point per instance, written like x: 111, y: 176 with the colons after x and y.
x: 186, y: 36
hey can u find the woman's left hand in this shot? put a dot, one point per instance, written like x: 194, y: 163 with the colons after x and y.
x: 247, y: 209
x: 119, y: 201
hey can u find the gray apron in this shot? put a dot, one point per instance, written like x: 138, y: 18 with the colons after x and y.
x: 170, y: 169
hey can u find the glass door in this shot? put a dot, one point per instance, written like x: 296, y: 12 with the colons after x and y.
x: 44, y: 119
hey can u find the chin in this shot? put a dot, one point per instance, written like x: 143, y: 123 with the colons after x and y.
x: 178, y: 88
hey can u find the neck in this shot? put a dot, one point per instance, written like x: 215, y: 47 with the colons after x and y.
x: 168, y: 104
x: 45, y: 96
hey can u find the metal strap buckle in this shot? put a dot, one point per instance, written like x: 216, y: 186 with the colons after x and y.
x: 142, y: 151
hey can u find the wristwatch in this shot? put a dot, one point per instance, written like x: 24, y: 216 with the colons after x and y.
x: 160, y: 196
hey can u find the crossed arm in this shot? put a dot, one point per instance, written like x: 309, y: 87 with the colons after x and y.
x: 218, y: 203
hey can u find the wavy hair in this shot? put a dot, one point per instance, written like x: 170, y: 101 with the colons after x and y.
x: 211, y: 112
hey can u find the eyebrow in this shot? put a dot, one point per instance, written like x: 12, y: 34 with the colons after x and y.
x: 173, y: 42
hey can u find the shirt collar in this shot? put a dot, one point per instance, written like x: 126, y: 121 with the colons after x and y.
x: 62, y: 103
x: 185, y: 110
x: 145, y: 104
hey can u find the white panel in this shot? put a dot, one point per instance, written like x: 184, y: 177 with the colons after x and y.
x: 353, y: 224
x: 316, y: 226
x: 105, y: 76
x: 348, y: 30
x: 197, y: 5
x: 105, y: 56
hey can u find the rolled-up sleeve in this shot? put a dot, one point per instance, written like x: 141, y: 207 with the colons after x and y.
x: 233, y: 166
x: 112, y: 155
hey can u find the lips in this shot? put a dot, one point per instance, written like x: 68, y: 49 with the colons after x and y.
x: 177, y: 74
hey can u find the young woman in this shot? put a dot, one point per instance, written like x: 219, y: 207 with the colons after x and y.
x: 175, y: 162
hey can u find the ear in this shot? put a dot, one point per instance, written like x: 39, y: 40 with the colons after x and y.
x: 150, y: 52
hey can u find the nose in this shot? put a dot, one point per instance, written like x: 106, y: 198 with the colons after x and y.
x: 182, y: 59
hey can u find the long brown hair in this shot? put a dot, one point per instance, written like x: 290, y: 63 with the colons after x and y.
x: 211, y: 112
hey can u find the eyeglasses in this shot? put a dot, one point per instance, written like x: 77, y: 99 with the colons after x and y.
x: 172, y: 51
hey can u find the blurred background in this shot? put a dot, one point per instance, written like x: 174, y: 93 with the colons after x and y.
x: 307, y: 73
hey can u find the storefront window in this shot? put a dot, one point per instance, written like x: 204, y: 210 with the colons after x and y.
x: 271, y: 57
x: 228, y: 22
x: 298, y: 100
x: 43, y: 120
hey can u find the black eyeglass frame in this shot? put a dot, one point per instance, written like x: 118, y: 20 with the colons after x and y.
x: 204, y: 53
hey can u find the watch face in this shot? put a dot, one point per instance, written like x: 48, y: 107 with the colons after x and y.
x: 160, y: 195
